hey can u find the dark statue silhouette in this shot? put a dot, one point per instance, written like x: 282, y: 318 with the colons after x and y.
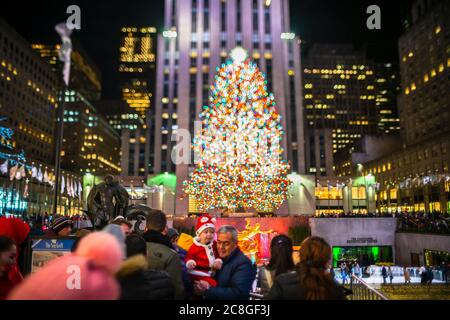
x: 106, y: 201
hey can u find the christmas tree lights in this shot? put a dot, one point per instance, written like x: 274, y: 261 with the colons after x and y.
x: 239, y: 144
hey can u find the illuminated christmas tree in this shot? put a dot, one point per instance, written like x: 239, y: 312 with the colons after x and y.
x: 238, y: 148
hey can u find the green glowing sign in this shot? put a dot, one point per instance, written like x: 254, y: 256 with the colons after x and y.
x: 168, y: 180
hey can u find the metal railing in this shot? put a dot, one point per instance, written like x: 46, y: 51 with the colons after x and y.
x: 363, y: 291
x: 358, y: 289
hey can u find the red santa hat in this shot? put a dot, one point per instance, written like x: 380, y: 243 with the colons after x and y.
x: 204, y: 222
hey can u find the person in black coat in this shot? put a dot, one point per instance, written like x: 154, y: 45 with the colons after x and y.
x: 137, y: 282
x: 384, y: 274
x: 424, y: 276
x: 430, y: 275
x: 444, y: 269
x: 311, y: 280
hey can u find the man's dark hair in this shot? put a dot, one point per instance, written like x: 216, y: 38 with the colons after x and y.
x: 6, y: 243
x: 156, y: 220
x: 135, y: 245
x: 122, y: 221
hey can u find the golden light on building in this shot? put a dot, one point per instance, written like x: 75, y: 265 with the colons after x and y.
x: 137, y: 48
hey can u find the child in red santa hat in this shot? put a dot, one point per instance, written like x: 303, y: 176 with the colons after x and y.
x: 202, y: 257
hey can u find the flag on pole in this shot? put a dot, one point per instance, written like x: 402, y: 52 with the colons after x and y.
x: 13, y: 171
x: 25, y: 191
x: 4, y: 167
x: 80, y: 190
x: 72, y: 187
x: 51, y: 180
x: 39, y: 175
x: 62, y: 184
x: 69, y: 192
x: 34, y: 172
x: 46, y: 179
x: 65, y: 52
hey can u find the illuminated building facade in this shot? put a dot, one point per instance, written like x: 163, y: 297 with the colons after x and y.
x: 137, y: 65
x: 134, y: 147
x: 28, y: 101
x: 339, y: 95
x: 85, y: 76
x: 198, y: 36
x: 387, y: 89
x: 28, y: 94
x: 90, y: 144
x: 137, y: 73
x: 346, y: 97
x: 416, y: 177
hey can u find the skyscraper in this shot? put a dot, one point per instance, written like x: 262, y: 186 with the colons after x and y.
x: 137, y: 77
x: 28, y: 95
x: 416, y: 177
x: 198, y: 36
x: 28, y: 100
x: 387, y: 89
x: 90, y: 144
x: 339, y: 93
x: 347, y: 97
x: 134, y: 142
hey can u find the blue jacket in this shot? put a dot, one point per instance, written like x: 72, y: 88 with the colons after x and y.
x: 234, y: 280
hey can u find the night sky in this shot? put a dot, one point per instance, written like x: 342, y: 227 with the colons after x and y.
x: 342, y: 21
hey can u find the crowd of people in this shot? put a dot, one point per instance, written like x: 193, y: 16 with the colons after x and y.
x: 355, y: 215
x: 434, y: 222
x: 347, y: 269
x: 119, y: 262
x: 41, y: 223
x: 388, y: 273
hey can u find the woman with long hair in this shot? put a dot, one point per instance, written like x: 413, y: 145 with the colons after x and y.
x: 312, y: 279
x: 281, y: 261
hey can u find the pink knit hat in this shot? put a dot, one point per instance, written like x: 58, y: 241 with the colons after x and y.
x: 87, y: 274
